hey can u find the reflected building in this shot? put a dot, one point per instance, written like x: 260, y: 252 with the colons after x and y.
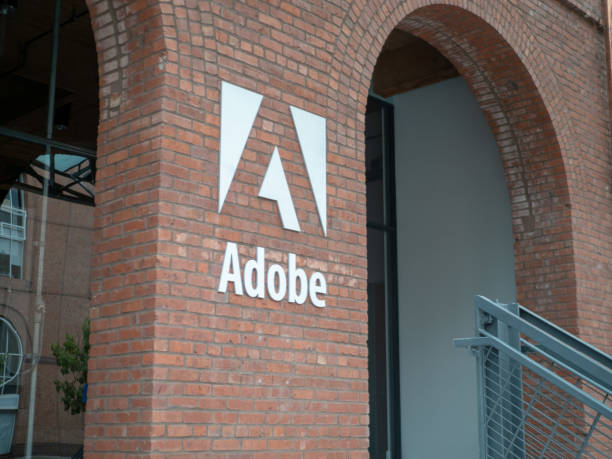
x: 48, y: 91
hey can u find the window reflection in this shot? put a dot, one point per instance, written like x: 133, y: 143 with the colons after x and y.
x: 12, y: 234
x: 48, y: 129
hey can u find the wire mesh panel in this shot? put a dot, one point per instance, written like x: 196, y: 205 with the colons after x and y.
x: 543, y: 393
x: 529, y: 416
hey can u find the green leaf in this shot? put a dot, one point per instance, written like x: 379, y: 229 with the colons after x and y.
x: 71, y: 357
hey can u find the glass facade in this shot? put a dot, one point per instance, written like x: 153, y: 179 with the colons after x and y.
x: 48, y: 122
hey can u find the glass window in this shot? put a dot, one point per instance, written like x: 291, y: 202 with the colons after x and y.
x: 47, y: 170
x: 12, y: 234
x: 11, y: 357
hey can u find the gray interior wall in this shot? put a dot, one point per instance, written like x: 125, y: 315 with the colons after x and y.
x: 454, y: 241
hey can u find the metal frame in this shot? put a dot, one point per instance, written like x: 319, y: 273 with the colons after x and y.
x: 84, y: 173
x: 557, y: 405
x: 390, y: 235
x: 65, y: 185
x: 64, y: 147
x: 4, y: 380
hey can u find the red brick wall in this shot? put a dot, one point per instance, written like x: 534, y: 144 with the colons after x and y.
x: 178, y: 368
x: 129, y: 262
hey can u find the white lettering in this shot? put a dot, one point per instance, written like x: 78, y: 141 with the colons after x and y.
x: 317, y: 285
x: 277, y: 294
x: 258, y: 266
x: 257, y: 279
x: 231, y: 260
x: 294, y: 275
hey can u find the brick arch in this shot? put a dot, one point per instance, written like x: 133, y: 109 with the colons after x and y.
x: 520, y: 120
x: 132, y: 68
x: 126, y: 34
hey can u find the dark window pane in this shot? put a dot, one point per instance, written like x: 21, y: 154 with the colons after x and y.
x: 16, y: 271
x: 382, y: 298
x: 5, y: 261
x: 5, y: 217
x: 374, y: 166
x: 377, y: 340
x: 374, y: 181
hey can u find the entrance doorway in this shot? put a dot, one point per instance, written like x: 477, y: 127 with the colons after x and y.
x: 439, y: 232
x: 382, y: 281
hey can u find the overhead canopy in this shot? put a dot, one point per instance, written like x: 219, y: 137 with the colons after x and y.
x: 25, y: 69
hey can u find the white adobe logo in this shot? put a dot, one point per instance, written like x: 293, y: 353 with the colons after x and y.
x: 239, y: 109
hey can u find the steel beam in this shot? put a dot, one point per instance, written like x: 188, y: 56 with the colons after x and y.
x: 65, y: 147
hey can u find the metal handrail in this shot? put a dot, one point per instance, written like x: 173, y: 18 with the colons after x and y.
x: 584, y: 364
x: 541, y: 390
x: 540, y: 370
x: 577, y: 344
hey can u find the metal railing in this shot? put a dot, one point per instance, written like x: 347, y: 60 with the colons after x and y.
x: 542, y: 392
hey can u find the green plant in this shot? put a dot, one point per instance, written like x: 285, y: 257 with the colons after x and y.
x: 71, y: 357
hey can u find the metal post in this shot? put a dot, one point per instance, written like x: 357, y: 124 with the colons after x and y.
x: 5, y: 10
x: 509, y: 386
x: 481, y: 360
x: 3, y: 14
x: 39, y: 314
x: 11, y: 229
x: 479, y: 353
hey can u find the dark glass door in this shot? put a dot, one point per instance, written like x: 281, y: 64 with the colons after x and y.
x: 382, y: 282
